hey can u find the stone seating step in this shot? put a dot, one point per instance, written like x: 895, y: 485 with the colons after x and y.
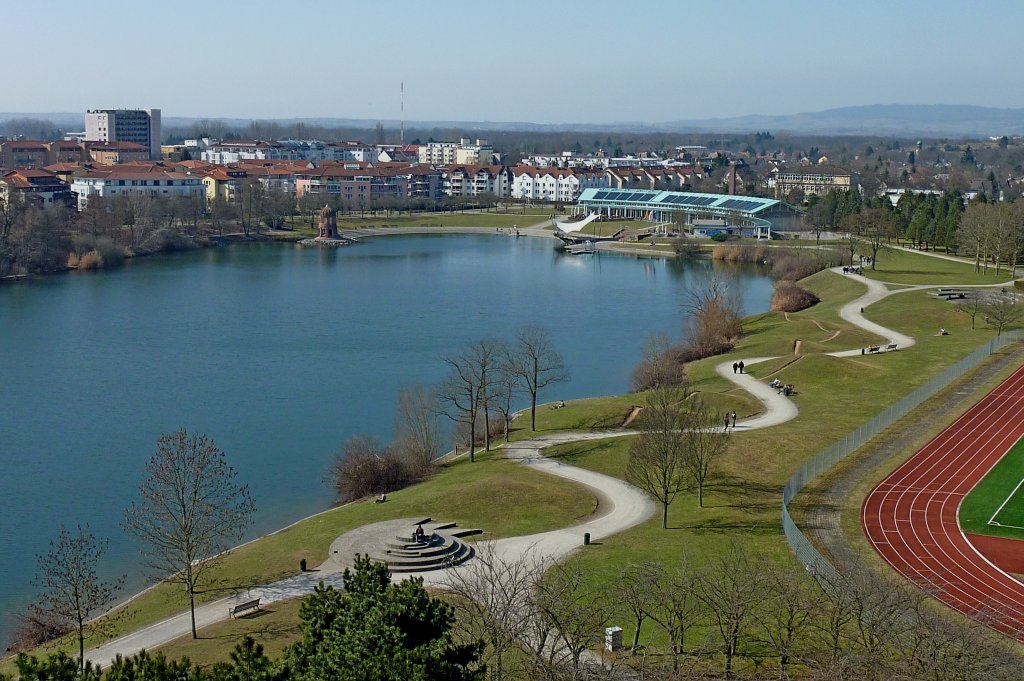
x: 457, y: 550
x: 465, y: 554
x: 438, y: 551
x: 469, y: 532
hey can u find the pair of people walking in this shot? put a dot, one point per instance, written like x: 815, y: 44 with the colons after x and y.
x: 729, y: 416
x: 737, y: 367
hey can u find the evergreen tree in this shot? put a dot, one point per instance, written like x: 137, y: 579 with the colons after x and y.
x: 376, y: 630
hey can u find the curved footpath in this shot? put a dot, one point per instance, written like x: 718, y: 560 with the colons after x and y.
x: 624, y: 506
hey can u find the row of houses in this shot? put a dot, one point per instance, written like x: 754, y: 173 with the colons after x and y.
x: 359, y: 184
x: 36, y: 154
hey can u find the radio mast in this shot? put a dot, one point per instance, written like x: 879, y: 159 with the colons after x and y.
x: 401, y: 135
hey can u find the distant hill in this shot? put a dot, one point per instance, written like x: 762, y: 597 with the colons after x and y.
x: 926, y: 120
x: 932, y: 120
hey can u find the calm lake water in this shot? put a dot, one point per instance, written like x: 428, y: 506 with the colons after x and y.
x: 280, y: 353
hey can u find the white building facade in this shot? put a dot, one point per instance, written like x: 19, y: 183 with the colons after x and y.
x: 131, y: 180
x: 563, y: 185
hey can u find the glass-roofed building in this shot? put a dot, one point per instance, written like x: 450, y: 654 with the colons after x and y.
x: 704, y: 214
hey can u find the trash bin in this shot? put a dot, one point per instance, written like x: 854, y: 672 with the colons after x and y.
x: 302, y: 565
x: 586, y: 539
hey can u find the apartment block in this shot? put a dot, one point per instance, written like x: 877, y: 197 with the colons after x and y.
x: 141, y: 126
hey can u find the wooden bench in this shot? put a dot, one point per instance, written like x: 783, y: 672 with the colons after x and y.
x: 875, y: 348
x: 242, y: 607
x: 891, y: 346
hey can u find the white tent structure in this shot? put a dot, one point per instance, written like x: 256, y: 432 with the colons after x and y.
x: 571, y: 227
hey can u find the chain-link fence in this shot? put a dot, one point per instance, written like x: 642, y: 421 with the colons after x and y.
x: 813, y: 561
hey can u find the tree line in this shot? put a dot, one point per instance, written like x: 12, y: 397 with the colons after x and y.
x: 483, y: 383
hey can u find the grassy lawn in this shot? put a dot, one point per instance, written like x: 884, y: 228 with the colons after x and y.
x: 478, y: 495
x: 274, y: 626
x: 985, y: 500
x: 903, y: 267
x: 834, y: 396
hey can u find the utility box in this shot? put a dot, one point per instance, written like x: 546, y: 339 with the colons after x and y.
x: 613, y: 639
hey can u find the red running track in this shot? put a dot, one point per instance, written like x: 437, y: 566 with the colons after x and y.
x: 911, y: 517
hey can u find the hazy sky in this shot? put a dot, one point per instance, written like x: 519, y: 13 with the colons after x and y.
x: 542, y: 61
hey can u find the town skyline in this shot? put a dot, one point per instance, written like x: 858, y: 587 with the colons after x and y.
x: 535, y: 64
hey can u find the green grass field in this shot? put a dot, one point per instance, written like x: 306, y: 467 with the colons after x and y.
x: 996, y: 506
x: 904, y: 267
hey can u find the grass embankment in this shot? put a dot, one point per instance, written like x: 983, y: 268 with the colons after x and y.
x: 834, y: 395
x: 478, y: 495
x: 999, y: 494
x: 904, y: 267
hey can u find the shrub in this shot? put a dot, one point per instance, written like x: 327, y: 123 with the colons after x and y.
x: 365, y: 467
x: 720, y: 237
x: 791, y: 264
x: 90, y: 261
x: 110, y: 253
x: 685, y: 248
x: 788, y: 297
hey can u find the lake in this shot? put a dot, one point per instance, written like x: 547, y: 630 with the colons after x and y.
x: 280, y: 353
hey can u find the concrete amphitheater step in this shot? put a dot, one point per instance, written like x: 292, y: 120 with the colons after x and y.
x: 450, y: 550
x: 464, y: 553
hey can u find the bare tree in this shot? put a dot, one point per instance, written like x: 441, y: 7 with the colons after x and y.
x: 190, y: 510
x: 657, y: 456
x: 467, y: 391
x: 713, y: 317
x: 731, y: 587
x: 1001, y: 311
x: 637, y: 589
x: 536, y: 364
x: 705, y: 444
x: 506, y: 387
x: 493, y: 603
x: 417, y: 435
x: 657, y: 368
x: 972, y: 304
x: 73, y: 594
x: 873, y: 227
x: 575, y: 611
x: 677, y: 609
x: 786, y: 614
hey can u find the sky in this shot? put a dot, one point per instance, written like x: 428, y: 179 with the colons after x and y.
x: 559, y: 61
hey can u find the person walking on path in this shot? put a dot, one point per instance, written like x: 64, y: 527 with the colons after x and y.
x: 734, y: 420
x: 740, y: 365
x: 735, y: 366
x: 726, y: 420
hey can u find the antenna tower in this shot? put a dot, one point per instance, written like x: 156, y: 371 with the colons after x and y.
x: 401, y: 134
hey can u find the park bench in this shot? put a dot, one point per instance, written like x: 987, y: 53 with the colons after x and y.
x: 875, y: 348
x: 891, y: 346
x: 242, y: 607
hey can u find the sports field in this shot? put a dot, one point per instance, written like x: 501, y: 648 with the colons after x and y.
x: 996, y: 505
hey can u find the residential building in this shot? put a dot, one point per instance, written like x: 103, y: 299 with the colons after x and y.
x: 816, y: 180
x: 113, y: 153
x: 37, y: 185
x: 65, y: 151
x: 136, y: 179
x: 554, y: 184
x: 476, y: 180
x: 24, y: 154
x: 359, y: 188
x: 141, y: 126
x: 463, y: 152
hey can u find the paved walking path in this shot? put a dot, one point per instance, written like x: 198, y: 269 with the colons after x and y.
x: 621, y: 505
